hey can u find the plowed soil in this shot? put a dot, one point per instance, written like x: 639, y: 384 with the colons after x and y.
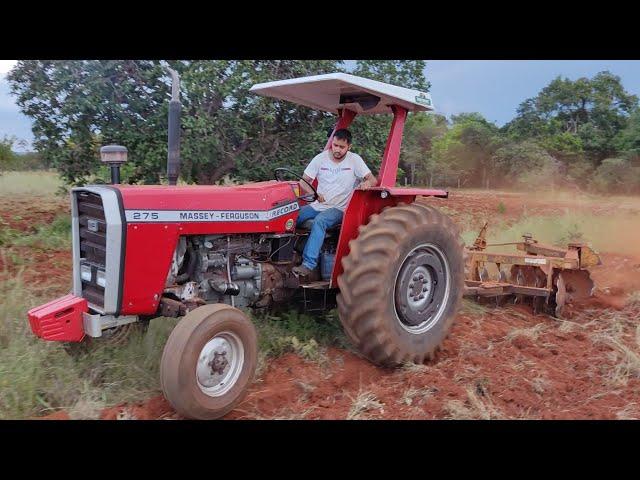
x: 496, y: 363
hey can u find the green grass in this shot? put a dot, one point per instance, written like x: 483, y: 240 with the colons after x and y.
x: 298, y: 333
x: 41, y: 183
x: 37, y: 377
x: 48, y: 236
x: 54, y: 236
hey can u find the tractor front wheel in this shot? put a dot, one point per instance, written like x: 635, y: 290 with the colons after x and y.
x: 209, y: 361
x: 402, y: 284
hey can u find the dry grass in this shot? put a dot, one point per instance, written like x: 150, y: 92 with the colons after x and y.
x: 627, y: 362
x: 629, y: 412
x: 364, y: 403
x: 411, y: 367
x: 619, y: 330
x: 539, y: 385
x: 416, y: 395
x: 473, y: 309
x: 633, y: 299
x: 531, y: 333
x: 475, y: 407
x: 126, y: 414
x: 286, y: 413
x: 38, y: 183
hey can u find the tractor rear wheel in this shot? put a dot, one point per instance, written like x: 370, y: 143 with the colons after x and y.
x: 209, y: 362
x: 402, y: 284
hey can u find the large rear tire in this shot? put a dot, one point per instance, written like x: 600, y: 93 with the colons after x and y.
x: 209, y: 361
x: 402, y: 284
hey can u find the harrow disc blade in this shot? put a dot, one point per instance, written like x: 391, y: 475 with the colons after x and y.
x: 572, y: 285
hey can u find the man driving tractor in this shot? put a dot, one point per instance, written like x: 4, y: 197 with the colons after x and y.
x: 339, y: 171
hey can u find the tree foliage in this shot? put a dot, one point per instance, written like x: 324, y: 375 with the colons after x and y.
x: 583, y: 132
x: 580, y: 117
x: 79, y: 105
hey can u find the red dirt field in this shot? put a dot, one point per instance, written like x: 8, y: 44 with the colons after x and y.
x: 52, y: 271
x: 497, y: 363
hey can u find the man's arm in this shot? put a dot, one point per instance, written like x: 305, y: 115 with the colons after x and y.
x: 307, y: 189
x: 369, y: 181
x: 362, y: 171
x: 310, y: 173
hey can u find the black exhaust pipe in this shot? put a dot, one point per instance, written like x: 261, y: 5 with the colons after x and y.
x: 173, y: 157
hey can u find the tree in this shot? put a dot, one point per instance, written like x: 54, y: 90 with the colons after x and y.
x: 576, y: 117
x: 403, y: 73
x: 7, y: 157
x: 77, y: 106
x: 417, y: 158
x: 627, y: 141
x: 527, y: 164
x: 467, y: 148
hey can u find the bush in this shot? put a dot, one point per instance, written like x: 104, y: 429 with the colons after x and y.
x: 13, y: 161
x: 527, y: 163
x: 616, y: 175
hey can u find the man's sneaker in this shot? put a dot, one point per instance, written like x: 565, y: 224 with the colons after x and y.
x: 301, y: 271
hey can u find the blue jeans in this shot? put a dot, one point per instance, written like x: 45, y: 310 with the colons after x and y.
x: 323, y: 220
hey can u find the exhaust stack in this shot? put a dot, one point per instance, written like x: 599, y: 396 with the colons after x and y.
x: 173, y: 157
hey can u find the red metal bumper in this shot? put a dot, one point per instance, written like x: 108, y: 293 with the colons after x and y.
x: 60, y: 319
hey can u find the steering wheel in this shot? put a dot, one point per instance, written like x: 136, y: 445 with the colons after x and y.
x: 309, y: 197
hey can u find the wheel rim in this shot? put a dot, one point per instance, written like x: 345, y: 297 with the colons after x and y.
x: 422, y: 288
x: 219, y: 364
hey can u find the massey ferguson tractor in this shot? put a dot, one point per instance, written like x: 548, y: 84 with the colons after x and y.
x: 207, y: 253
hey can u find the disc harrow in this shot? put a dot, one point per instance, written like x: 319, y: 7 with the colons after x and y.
x: 547, y: 277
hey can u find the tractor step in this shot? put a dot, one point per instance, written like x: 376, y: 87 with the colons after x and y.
x: 317, y: 285
x: 317, y: 296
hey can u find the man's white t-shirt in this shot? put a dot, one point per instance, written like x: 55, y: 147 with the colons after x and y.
x: 336, y: 181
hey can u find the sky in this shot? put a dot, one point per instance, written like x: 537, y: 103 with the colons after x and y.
x: 493, y: 88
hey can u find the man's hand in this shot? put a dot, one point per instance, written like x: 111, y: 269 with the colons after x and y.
x: 368, y: 182
x: 321, y: 198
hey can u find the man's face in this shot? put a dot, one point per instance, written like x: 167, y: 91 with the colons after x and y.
x: 339, y: 148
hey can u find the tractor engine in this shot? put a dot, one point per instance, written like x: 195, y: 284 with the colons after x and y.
x: 240, y: 270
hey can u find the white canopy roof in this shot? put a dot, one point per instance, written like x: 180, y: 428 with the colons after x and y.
x: 335, y: 91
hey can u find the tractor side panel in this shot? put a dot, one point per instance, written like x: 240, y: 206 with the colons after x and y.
x: 150, y: 248
x: 157, y: 219
x: 362, y: 205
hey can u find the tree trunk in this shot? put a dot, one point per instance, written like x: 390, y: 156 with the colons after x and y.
x: 211, y: 177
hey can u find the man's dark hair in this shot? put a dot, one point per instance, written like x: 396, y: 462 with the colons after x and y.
x: 343, y: 134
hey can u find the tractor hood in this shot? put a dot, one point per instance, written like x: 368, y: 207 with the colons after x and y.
x: 206, y: 202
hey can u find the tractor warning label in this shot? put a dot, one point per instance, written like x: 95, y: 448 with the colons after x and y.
x: 536, y: 261
x: 165, y: 216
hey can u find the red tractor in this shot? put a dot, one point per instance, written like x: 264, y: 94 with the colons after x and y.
x: 204, y: 253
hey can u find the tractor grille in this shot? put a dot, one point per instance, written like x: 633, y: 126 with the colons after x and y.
x: 93, y: 245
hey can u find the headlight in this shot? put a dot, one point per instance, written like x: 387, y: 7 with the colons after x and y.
x: 101, y: 278
x: 85, y: 272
